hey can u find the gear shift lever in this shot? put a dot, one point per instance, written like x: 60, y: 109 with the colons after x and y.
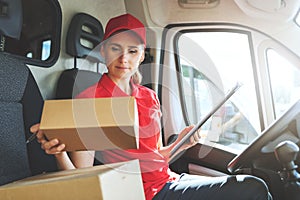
x: 286, y: 153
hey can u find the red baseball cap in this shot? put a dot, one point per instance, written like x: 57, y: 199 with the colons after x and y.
x: 125, y: 22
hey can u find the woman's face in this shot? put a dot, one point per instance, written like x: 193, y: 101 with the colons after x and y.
x: 123, y: 54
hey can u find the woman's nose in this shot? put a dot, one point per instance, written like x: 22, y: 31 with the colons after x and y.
x: 123, y: 57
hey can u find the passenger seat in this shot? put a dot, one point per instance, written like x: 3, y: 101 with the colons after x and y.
x: 20, y: 107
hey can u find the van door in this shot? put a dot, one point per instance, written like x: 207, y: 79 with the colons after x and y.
x: 200, y: 63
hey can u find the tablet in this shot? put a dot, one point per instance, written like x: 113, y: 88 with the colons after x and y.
x: 203, y: 120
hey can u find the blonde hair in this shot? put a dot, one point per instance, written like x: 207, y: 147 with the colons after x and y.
x: 137, y: 77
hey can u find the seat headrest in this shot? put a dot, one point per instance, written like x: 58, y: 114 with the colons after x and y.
x: 84, y: 35
x: 11, y: 18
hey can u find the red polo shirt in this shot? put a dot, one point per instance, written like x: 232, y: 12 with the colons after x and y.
x: 154, y: 167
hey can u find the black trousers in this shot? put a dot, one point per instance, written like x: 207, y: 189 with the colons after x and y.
x: 193, y: 187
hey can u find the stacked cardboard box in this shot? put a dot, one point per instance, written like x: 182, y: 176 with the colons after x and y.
x: 104, y: 182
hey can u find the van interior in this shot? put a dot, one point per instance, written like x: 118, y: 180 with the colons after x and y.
x: 197, y: 51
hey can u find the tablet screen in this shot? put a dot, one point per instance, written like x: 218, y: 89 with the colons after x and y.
x: 203, y: 120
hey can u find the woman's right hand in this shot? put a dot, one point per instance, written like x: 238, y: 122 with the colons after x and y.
x: 50, y: 146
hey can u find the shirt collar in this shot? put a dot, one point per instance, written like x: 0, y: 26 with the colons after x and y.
x: 114, y: 89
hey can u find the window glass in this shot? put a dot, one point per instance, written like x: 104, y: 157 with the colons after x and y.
x: 284, y: 78
x: 46, y: 49
x: 39, y: 42
x: 209, y: 69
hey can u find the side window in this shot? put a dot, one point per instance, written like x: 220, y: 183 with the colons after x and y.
x: 39, y: 42
x: 284, y: 82
x: 209, y: 69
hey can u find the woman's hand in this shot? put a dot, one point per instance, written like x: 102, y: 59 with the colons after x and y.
x: 50, y: 147
x: 194, y: 139
x: 78, y: 159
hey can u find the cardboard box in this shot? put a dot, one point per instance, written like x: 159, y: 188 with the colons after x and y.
x: 103, y: 182
x: 92, y: 124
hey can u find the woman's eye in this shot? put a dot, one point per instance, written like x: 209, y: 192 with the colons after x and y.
x: 115, y: 49
x: 133, y: 51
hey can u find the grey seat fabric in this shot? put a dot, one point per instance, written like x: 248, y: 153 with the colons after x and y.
x: 14, y: 163
x: 20, y: 107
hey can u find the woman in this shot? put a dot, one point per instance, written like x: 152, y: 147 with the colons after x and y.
x: 123, y: 49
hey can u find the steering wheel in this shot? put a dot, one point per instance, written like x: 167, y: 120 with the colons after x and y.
x: 268, y: 135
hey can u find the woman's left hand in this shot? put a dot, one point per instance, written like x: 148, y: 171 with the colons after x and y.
x: 194, y: 139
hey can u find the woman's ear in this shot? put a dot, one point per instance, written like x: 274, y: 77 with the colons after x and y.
x: 142, y: 57
x: 102, y: 51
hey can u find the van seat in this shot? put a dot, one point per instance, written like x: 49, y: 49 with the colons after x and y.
x: 20, y: 107
x: 73, y: 81
x: 83, y: 38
